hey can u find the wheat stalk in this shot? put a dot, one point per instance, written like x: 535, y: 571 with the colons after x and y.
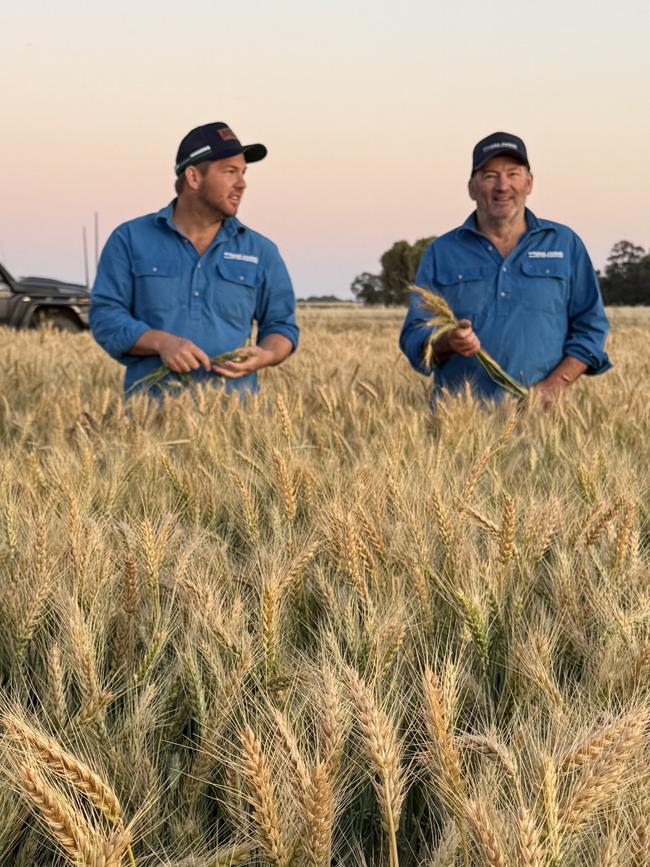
x: 67, y: 766
x: 442, y: 321
x: 262, y: 797
x: 64, y: 823
x: 482, y: 828
x: 382, y: 742
x: 319, y: 816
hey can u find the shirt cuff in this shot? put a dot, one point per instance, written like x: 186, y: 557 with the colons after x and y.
x: 126, y: 337
x: 595, y: 363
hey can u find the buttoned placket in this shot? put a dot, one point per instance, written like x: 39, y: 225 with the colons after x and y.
x: 504, y: 282
x: 197, y: 282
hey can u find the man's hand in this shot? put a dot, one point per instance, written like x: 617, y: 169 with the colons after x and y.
x: 252, y: 358
x: 272, y: 349
x: 181, y: 355
x: 462, y: 341
x: 550, y: 390
x: 176, y: 353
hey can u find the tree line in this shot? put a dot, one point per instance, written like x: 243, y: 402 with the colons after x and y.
x: 626, y: 279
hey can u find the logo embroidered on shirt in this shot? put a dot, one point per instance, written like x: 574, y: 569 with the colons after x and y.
x: 240, y: 257
x: 545, y: 254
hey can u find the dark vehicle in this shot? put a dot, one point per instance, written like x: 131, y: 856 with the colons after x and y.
x: 34, y: 301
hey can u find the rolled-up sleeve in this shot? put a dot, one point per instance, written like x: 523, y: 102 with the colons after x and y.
x: 276, y: 307
x: 414, y: 332
x: 587, y: 321
x: 112, y: 323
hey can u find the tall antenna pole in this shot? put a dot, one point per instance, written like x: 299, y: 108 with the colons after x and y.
x: 85, y: 243
x: 96, y: 241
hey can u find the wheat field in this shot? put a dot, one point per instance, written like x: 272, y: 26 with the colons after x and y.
x: 323, y: 626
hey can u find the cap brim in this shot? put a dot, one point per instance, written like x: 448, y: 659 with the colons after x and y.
x: 254, y: 153
x: 503, y: 152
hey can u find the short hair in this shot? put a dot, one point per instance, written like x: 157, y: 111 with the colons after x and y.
x: 202, y: 168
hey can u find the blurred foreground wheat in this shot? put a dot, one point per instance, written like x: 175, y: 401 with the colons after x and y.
x: 325, y: 626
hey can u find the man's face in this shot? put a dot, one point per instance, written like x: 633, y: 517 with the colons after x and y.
x: 223, y: 185
x: 500, y: 189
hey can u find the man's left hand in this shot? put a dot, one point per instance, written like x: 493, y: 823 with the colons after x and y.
x: 556, y: 383
x: 252, y: 358
x: 550, y: 390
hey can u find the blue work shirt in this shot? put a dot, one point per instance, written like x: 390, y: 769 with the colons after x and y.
x: 529, y: 310
x: 151, y: 276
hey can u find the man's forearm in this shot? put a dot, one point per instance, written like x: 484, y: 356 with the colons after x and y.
x: 148, y: 343
x: 568, y: 370
x: 277, y: 344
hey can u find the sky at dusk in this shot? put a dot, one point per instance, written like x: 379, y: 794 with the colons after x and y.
x: 369, y: 110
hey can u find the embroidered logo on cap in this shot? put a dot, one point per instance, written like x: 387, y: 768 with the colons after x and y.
x: 227, y: 134
x: 500, y: 144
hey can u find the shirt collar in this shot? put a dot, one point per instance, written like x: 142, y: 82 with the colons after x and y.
x: 230, y: 227
x: 532, y: 223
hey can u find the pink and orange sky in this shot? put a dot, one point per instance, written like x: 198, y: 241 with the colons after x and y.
x: 369, y: 110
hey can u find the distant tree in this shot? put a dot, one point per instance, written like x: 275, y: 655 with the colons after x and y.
x: 627, y: 275
x: 323, y: 299
x: 368, y: 288
x: 398, y: 267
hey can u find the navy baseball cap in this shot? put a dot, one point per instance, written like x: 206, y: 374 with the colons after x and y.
x: 496, y: 145
x: 214, y: 141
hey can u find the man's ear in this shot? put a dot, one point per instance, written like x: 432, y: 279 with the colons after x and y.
x: 192, y: 177
x: 530, y: 182
x: 470, y: 189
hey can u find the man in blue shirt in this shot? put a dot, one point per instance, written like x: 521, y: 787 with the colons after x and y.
x: 183, y: 285
x: 524, y: 289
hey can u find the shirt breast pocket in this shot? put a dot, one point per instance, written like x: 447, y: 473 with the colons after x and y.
x: 545, y: 287
x: 157, y: 287
x: 465, y: 291
x: 235, y: 293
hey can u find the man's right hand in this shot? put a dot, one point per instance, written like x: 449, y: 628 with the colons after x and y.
x: 462, y: 341
x: 177, y: 353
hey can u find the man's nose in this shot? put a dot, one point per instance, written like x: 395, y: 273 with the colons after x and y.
x: 502, y: 181
x: 241, y: 182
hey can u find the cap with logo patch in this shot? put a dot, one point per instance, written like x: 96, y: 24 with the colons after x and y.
x: 214, y: 141
x: 496, y: 145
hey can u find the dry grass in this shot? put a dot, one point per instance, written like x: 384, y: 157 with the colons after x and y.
x: 324, y: 626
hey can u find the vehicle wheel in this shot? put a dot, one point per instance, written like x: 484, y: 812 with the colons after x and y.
x: 59, y: 319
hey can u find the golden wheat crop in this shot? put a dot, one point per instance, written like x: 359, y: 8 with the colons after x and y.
x: 323, y: 626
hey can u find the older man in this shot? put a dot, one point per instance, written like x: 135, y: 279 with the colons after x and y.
x: 522, y: 287
x: 184, y: 285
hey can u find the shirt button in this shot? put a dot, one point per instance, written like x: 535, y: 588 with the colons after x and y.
x: 198, y: 266
x: 154, y: 268
x: 196, y: 294
x: 242, y: 277
x: 504, y: 268
x: 490, y: 248
x: 548, y: 271
x: 503, y: 294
